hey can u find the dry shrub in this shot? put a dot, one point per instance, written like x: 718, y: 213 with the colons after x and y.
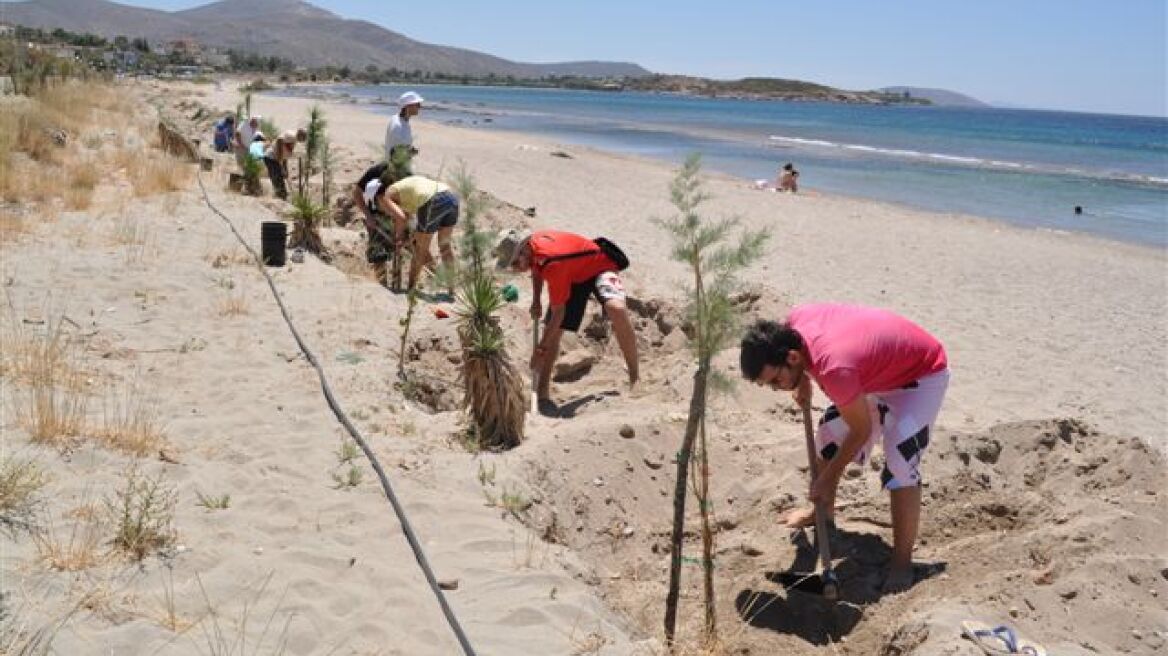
x: 131, y: 422
x: 142, y: 513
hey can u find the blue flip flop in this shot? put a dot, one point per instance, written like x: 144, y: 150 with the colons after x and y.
x: 1000, y: 639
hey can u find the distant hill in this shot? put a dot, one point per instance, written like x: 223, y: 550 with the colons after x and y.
x: 289, y: 29
x: 939, y: 97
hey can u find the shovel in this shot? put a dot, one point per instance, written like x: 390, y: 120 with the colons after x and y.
x: 534, y: 374
x: 828, y: 578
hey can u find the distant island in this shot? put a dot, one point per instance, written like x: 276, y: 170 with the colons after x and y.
x: 938, y: 97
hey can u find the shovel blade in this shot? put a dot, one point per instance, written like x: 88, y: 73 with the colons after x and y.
x: 805, y: 582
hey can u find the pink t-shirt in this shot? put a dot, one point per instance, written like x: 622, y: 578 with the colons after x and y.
x: 860, y: 350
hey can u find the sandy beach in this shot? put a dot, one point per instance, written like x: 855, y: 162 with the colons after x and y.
x: 1045, y: 488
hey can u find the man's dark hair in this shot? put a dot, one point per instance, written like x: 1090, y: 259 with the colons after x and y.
x: 766, y: 342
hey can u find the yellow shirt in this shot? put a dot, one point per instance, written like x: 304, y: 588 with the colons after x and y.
x: 415, y: 191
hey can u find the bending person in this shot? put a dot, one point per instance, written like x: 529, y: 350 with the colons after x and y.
x: 366, y: 194
x: 886, y: 378
x: 574, y: 268
x: 436, y: 209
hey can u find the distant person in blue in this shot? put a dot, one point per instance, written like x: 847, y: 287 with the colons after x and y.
x: 224, y: 133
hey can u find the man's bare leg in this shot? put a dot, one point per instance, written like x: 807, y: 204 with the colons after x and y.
x: 626, y: 338
x: 420, y: 255
x: 906, y: 519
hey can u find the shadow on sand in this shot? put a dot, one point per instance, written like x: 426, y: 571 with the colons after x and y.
x: 860, y: 561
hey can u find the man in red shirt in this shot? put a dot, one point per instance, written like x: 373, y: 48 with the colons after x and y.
x: 574, y: 268
x: 886, y: 378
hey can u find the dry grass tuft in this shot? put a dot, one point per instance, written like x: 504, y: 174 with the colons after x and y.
x: 142, y: 513
x: 53, y: 407
x: 152, y: 172
x: 74, y: 553
x: 131, y: 422
x: 82, y: 176
x: 233, y: 305
x: 20, y: 481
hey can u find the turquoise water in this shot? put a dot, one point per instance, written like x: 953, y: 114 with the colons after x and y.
x: 1030, y: 168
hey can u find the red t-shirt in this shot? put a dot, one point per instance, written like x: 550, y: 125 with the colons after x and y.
x: 562, y: 274
x: 859, y: 350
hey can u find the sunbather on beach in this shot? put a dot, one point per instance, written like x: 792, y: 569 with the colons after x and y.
x: 436, y: 210
x: 788, y: 178
x: 574, y: 268
x: 886, y: 378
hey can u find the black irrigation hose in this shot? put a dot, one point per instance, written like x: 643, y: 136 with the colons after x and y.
x: 356, y: 435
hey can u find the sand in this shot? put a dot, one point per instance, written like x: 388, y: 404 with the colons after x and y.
x: 1045, y: 485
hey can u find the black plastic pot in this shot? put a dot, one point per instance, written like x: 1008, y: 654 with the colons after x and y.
x: 273, y: 242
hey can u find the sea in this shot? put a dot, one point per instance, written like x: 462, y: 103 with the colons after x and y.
x: 1030, y: 168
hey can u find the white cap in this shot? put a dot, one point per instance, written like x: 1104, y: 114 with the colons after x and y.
x: 409, y: 98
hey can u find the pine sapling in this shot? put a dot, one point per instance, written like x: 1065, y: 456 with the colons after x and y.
x: 699, y: 243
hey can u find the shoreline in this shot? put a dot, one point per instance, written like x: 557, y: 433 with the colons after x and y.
x: 1120, y: 229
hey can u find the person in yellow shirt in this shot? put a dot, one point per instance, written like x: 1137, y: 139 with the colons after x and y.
x: 436, y: 209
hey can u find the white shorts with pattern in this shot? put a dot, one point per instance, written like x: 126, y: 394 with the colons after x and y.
x: 901, y: 419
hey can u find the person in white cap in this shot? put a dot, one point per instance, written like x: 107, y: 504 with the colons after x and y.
x: 399, y: 138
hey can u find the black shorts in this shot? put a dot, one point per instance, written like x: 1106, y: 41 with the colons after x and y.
x: 605, y: 287
x: 441, y: 211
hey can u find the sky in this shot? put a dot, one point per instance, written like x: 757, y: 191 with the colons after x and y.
x: 1107, y: 56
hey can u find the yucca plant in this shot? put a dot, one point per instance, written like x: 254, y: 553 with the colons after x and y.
x: 698, y: 243
x: 307, y: 218
x: 493, y: 389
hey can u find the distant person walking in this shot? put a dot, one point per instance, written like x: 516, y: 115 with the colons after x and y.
x: 277, y: 155
x: 399, y: 137
x: 886, y: 378
x: 574, y: 268
x: 788, y: 178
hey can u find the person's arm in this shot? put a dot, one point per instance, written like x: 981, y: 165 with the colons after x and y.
x: 389, y: 204
x: 859, y: 422
x: 358, y: 199
x: 551, y: 335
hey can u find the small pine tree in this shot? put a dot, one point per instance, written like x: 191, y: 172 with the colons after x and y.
x: 316, y: 138
x: 698, y: 243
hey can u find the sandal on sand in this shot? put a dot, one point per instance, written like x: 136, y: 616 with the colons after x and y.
x: 999, y: 639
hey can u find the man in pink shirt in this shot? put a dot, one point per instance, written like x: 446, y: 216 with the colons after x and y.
x: 885, y: 377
